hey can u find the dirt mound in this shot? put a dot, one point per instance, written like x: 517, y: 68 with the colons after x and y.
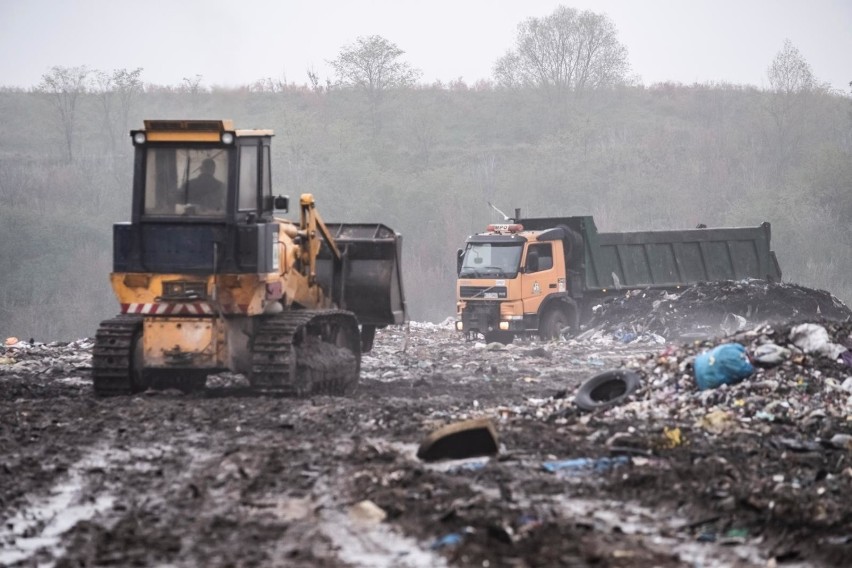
x: 710, y: 309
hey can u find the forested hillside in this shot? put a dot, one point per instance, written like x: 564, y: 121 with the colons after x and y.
x: 426, y: 160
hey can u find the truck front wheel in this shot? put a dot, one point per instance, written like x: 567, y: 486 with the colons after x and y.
x: 555, y: 320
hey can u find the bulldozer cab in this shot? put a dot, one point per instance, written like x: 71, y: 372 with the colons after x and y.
x: 202, y: 200
x: 202, y: 170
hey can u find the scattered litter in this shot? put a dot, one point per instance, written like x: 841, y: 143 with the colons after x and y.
x: 673, y: 437
x: 733, y: 323
x: 582, y: 466
x: 451, y: 539
x: 842, y: 441
x: 769, y: 355
x: 461, y: 466
x: 717, y: 422
x: 367, y: 512
x: 538, y: 352
x: 734, y: 536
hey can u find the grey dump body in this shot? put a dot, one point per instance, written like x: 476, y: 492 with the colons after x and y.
x: 664, y: 259
x: 368, y: 281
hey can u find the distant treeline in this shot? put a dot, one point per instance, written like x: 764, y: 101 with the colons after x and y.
x: 426, y: 161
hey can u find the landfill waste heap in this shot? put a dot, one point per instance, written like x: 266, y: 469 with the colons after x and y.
x: 751, y: 471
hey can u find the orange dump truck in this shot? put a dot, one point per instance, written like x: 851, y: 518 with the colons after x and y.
x: 542, y: 276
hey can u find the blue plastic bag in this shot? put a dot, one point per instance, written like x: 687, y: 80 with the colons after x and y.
x: 723, y: 365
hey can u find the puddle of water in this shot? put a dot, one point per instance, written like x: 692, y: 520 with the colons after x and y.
x: 55, y: 515
x: 374, y: 545
x: 75, y: 381
x: 39, y: 527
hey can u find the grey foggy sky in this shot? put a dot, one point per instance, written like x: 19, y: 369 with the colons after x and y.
x: 233, y: 43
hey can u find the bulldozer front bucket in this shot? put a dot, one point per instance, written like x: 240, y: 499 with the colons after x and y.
x: 368, y: 279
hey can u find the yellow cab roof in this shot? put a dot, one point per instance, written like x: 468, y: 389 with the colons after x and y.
x: 195, y: 130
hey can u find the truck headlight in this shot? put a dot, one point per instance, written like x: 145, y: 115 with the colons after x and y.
x: 459, y: 326
x: 139, y: 138
x: 504, y: 326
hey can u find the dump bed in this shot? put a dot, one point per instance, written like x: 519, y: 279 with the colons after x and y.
x: 667, y: 258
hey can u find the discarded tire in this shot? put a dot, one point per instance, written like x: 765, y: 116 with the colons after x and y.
x: 607, y: 389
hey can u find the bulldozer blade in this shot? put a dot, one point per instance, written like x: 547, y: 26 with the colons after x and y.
x: 367, y: 281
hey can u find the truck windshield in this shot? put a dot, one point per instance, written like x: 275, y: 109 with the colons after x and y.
x: 186, y: 181
x: 491, y: 260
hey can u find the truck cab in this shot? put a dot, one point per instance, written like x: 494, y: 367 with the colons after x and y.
x: 514, y: 282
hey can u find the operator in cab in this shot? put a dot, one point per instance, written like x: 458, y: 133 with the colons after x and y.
x: 204, y: 192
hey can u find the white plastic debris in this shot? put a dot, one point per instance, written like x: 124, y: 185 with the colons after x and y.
x: 813, y: 338
x: 770, y: 354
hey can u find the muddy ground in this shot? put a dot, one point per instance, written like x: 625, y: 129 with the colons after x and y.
x: 753, y: 474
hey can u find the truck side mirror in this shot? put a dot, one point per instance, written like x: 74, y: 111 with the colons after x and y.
x: 281, y: 203
x: 459, y: 258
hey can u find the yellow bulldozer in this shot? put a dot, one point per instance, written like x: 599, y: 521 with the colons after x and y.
x: 211, y: 278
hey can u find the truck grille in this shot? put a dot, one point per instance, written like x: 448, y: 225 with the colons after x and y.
x: 484, y: 292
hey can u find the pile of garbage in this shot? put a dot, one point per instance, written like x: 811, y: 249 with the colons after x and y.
x: 794, y: 373
x: 710, y: 309
x: 57, y: 358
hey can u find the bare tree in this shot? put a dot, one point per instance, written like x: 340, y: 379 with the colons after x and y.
x: 192, y: 85
x: 792, y: 82
x: 567, y: 50
x: 372, y: 64
x: 270, y: 85
x: 116, y: 93
x: 789, y: 73
x: 64, y: 85
x: 128, y: 87
x: 314, y: 79
x: 102, y: 87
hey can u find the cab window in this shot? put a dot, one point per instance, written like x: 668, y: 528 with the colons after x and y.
x: 186, y: 181
x: 266, y: 188
x: 539, y: 258
x: 248, y: 178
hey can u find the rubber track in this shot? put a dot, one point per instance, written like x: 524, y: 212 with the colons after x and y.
x: 291, y: 354
x: 111, y: 355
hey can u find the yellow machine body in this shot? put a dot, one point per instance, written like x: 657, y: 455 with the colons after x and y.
x: 210, y: 278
